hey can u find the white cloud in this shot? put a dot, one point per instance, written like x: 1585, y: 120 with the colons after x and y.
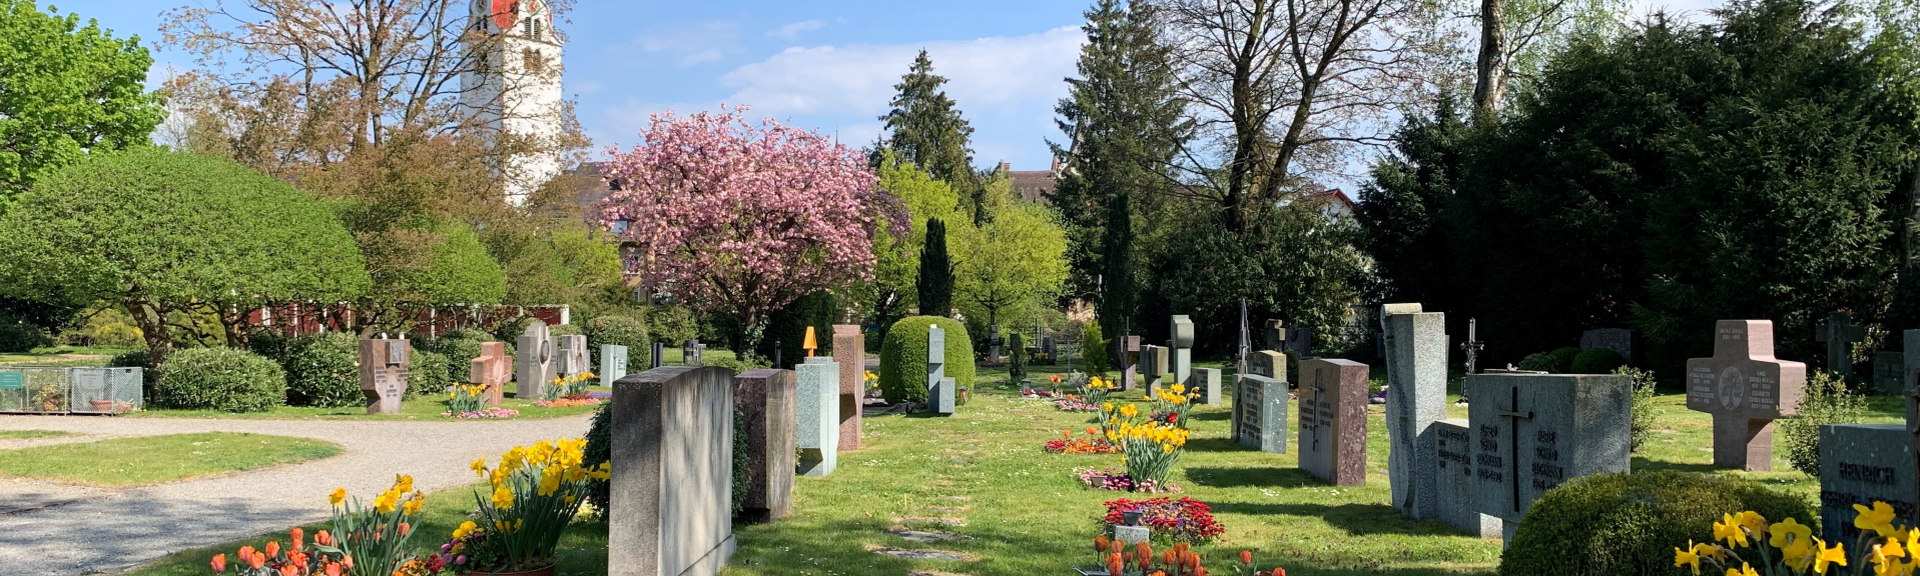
x: 794, y: 30
x: 983, y: 74
x: 690, y: 44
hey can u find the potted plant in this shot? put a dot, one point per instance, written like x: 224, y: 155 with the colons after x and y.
x: 536, y: 491
x: 103, y: 405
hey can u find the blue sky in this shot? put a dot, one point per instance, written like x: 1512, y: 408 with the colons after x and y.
x: 824, y: 65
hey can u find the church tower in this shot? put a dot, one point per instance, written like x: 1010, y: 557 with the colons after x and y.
x: 513, y: 87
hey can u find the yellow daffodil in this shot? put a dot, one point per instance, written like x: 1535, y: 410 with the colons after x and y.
x: 1824, y: 556
x: 1745, y: 570
x: 1886, y: 553
x: 386, y: 503
x: 1685, y: 558
x: 465, y: 529
x: 1787, y: 532
x: 1753, y: 522
x: 1879, y: 518
x: 1710, y: 550
x: 502, y: 498
x: 479, y: 467
x: 1728, y: 530
x: 411, y: 507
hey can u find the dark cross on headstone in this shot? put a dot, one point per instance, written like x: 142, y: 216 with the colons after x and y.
x: 1473, y: 345
x: 1514, y: 415
x: 1311, y: 407
x: 1839, y: 333
x: 1745, y: 389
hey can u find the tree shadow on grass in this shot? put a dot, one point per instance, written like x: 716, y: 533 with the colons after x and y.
x: 1263, y: 476
x: 1210, y: 416
x: 1356, y: 519
x: 1642, y: 464
x: 1216, y: 445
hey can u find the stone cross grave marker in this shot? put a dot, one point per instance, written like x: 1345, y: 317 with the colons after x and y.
x: 669, y: 510
x: 1532, y: 432
x: 1128, y: 348
x: 1839, y: 333
x: 1274, y: 332
x: 1181, y: 363
x: 1745, y: 388
x: 993, y: 343
x: 939, y: 387
x: 818, y: 430
x: 573, y: 354
x: 613, y: 363
x: 691, y: 352
x: 765, y: 399
x: 1416, y: 398
x: 492, y: 369
x: 850, y: 351
x: 1452, y: 498
x: 1260, y: 412
x: 383, y: 373
x: 1153, y: 359
x: 533, y: 362
x: 1333, y: 420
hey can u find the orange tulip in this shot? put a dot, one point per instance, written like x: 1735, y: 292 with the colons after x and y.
x: 1144, y: 553
x: 245, y: 553
x: 333, y: 569
x: 219, y: 562
x: 299, y: 534
x: 346, y: 562
x: 323, y: 538
x: 1092, y: 431
x: 1279, y: 572
x: 1169, y: 557
x: 1100, y: 544
x: 257, y: 560
x: 289, y: 570
x: 273, y: 549
x: 1114, y: 563
x: 405, y: 528
x: 1199, y: 571
x: 1246, y: 556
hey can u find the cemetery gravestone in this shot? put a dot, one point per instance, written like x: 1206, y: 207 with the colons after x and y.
x: 1889, y: 370
x: 1154, y: 361
x: 1269, y: 363
x: 1861, y: 464
x: 573, y: 355
x: 1128, y: 348
x: 1839, y: 333
x: 850, y: 351
x: 1532, y: 432
x: 613, y: 363
x: 940, y: 391
x: 993, y: 343
x: 1416, y: 398
x: 1333, y: 420
x: 765, y: 400
x: 1300, y: 341
x: 691, y: 352
x: 1182, y: 353
x: 1274, y: 332
x: 533, y: 361
x: 1050, y: 349
x: 1452, y: 498
x: 669, y: 509
x: 383, y: 374
x: 1260, y: 413
x: 659, y: 356
x: 818, y: 430
x: 1619, y: 340
x: 1206, y: 383
x: 492, y: 369
x: 1745, y: 388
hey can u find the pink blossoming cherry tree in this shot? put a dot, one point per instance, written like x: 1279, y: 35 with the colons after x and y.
x: 742, y: 219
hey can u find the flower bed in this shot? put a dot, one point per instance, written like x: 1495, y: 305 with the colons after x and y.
x: 1075, y: 404
x: 483, y: 414
x: 1183, y: 520
x: 569, y: 402
x: 1093, y: 444
x: 1112, y: 479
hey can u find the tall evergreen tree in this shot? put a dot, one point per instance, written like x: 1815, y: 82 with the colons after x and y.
x: 1123, y: 123
x: 1117, y: 292
x: 926, y: 129
x: 936, y: 272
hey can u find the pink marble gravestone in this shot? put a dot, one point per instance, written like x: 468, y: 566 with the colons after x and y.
x: 493, y: 368
x: 383, y: 373
x: 1745, y: 388
x: 850, y: 351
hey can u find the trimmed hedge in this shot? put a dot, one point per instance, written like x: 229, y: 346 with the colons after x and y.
x: 619, y: 331
x: 599, y: 451
x: 1629, y: 524
x: 324, y: 370
x: 1597, y: 361
x: 426, y: 373
x: 1563, y: 359
x: 903, y: 357
x: 457, y: 352
x: 1537, y: 362
x: 222, y: 379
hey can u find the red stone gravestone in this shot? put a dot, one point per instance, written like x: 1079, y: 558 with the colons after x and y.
x: 493, y: 368
x: 850, y: 350
x: 1745, y: 388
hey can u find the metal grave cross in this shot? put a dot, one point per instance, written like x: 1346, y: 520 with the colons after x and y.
x: 1839, y: 333
x: 1473, y: 345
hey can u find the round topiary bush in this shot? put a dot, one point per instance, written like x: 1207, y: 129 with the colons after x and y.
x: 620, y: 331
x: 1629, y: 524
x: 324, y: 370
x: 220, y: 379
x: 1537, y: 361
x: 426, y: 373
x: 1563, y: 359
x: 1597, y: 361
x: 903, y: 358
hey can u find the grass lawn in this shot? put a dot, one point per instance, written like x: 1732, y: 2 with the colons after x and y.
x: 163, y: 458
x: 981, y: 476
x: 422, y: 408
x: 30, y: 434
x: 63, y: 356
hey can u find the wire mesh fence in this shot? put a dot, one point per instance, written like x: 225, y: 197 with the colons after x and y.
x: 62, y: 390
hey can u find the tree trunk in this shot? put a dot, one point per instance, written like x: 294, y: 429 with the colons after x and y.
x: 1490, y: 85
x: 151, y: 320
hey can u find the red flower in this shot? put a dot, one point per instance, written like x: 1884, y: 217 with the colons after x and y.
x: 1246, y: 556
x: 219, y: 562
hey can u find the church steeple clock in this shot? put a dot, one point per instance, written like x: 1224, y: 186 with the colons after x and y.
x: 513, y: 85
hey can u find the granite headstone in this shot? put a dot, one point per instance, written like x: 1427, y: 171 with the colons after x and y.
x: 765, y: 400
x: 533, y: 361
x: 1260, y: 413
x: 850, y: 351
x: 1745, y: 388
x: 1532, y: 432
x: 613, y: 363
x: 940, y: 392
x: 817, y: 431
x: 1619, y: 340
x: 1333, y: 420
x: 669, y: 509
x: 1416, y: 398
x: 1839, y: 333
x: 1452, y: 497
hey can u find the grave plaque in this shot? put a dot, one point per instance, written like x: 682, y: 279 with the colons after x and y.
x: 940, y: 392
x: 1181, y: 364
x: 691, y: 352
x: 533, y: 361
x: 1127, y: 350
x: 1888, y: 370
x: 1206, y: 383
x: 1862, y: 463
x: 383, y: 374
x: 1260, y: 413
x: 1416, y: 398
x: 1452, y: 496
x: 1745, y: 388
x: 850, y: 351
x: 1153, y: 359
x: 1839, y: 333
x: 818, y: 429
x: 765, y: 399
x: 1532, y: 432
x: 573, y: 354
x: 1049, y: 350
x: 1300, y: 341
x: 613, y: 363
x: 670, y: 499
x: 1333, y: 420
x: 492, y: 369
x: 1619, y: 340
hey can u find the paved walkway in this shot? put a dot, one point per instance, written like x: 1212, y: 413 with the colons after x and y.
x: 62, y: 530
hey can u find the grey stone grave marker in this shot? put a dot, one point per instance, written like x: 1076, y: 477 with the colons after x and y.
x: 1619, y: 340
x: 1274, y: 332
x: 818, y: 428
x: 1861, y: 464
x: 1333, y: 420
x: 1300, y: 341
x: 1889, y: 371
x: 1416, y: 398
x: 1532, y: 432
x: 669, y: 510
x: 573, y: 354
x: 1452, y: 496
x: 1181, y: 363
x: 765, y: 399
x: 613, y: 363
x: 1127, y: 351
x: 1839, y: 333
x: 1260, y: 413
x: 1745, y: 388
x: 1154, y: 360
x: 1206, y: 383
x: 383, y: 373
x: 940, y: 390
x: 691, y: 352
x: 533, y: 361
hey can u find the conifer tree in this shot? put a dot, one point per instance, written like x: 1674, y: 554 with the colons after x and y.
x: 936, y: 272
x: 925, y: 128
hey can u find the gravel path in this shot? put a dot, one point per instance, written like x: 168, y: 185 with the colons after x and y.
x: 64, y: 530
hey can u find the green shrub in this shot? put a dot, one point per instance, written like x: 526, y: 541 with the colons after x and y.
x: 1825, y: 401
x: 474, y: 334
x: 220, y: 379
x: 736, y: 364
x: 426, y: 374
x: 273, y: 345
x: 903, y: 358
x: 323, y: 370
x: 1016, y: 359
x: 672, y: 324
x: 1644, y: 412
x: 17, y: 335
x: 558, y: 330
x: 1563, y: 359
x: 742, y: 476
x: 620, y: 331
x: 458, y: 353
x: 599, y: 450
x: 1537, y: 362
x: 1093, y: 349
x: 1629, y: 524
x: 1596, y: 361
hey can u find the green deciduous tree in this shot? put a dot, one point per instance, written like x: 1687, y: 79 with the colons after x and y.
x: 166, y: 233
x: 1015, y: 259
x: 935, y: 284
x: 925, y: 128
x: 896, y: 272
x: 68, y: 89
